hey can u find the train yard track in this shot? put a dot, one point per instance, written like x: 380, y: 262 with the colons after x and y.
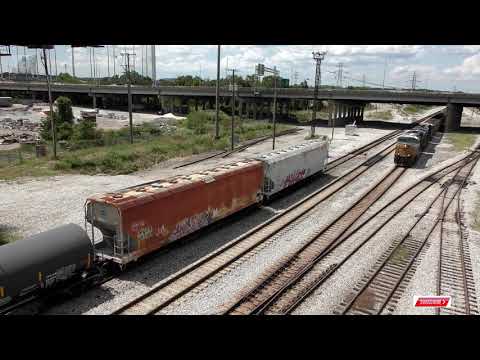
x: 454, y: 265
x: 256, y: 300
x: 220, y: 262
x: 380, y: 290
x: 301, y: 284
x: 260, y: 299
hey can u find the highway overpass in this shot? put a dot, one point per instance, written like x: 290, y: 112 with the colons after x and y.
x: 349, y: 103
x: 377, y: 96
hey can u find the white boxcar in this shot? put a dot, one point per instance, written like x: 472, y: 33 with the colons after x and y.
x: 285, y: 167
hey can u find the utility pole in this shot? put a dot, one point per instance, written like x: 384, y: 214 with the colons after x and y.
x: 50, y: 61
x: 25, y: 60
x: 127, y: 69
x: 233, y: 105
x: 217, y: 129
x: 154, y: 67
x: 363, y: 80
x: 108, y: 62
x: 384, y: 73
x: 260, y: 70
x: 143, y: 59
x: 18, y: 61
x: 56, y: 68
x: 114, y: 59
x: 274, y: 104
x: 36, y: 60
x: 146, y: 59
x: 73, y: 61
x: 318, y: 57
x: 52, y: 115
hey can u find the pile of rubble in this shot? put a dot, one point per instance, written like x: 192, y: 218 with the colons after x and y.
x: 22, y: 138
x: 166, y: 126
x: 112, y: 115
x: 19, y: 124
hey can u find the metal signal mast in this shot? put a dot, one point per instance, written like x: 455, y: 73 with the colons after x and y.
x: 318, y: 57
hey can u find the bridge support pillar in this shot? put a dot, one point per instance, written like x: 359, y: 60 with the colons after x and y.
x: 360, y: 119
x: 454, y: 117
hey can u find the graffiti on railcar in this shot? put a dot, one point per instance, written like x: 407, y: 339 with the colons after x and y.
x: 294, y: 177
x: 141, y: 230
x: 193, y: 223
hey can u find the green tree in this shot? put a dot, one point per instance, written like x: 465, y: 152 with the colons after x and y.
x: 63, y: 116
x: 64, y: 110
x: 84, y: 130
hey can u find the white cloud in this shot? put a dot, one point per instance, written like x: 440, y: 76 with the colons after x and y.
x: 468, y: 69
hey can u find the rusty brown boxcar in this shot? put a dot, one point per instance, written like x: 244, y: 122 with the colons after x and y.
x: 138, y: 220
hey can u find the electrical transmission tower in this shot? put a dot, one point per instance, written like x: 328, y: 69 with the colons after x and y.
x: 340, y: 75
x: 295, y: 77
x: 414, y: 80
x: 318, y: 57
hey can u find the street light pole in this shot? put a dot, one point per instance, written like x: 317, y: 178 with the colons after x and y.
x: 52, y: 115
x: 274, y: 104
x: 127, y: 68
x: 73, y: 61
x: 217, y: 128
x: 233, y: 105
x: 260, y: 70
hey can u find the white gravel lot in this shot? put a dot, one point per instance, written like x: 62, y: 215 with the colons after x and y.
x: 34, y: 205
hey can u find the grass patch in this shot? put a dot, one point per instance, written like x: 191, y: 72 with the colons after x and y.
x: 400, y: 255
x: 7, y: 235
x: 382, y: 115
x: 413, y: 108
x: 476, y: 213
x: 304, y: 116
x: 113, y: 154
x: 460, y: 141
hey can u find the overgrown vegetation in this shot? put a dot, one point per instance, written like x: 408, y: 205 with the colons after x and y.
x: 7, y: 235
x: 91, y: 151
x: 415, y: 108
x: 382, y: 115
x: 461, y: 141
x: 306, y: 115
x: 476, y: 213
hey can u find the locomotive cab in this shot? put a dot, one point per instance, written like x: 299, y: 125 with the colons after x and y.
x: 407, y: 150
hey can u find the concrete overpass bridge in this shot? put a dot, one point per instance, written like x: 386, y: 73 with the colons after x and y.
x: 348, y: 104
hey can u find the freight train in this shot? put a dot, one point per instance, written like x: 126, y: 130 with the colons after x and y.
x: 411, y: 143
x: 138, y: 220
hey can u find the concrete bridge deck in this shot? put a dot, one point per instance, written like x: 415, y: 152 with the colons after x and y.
x: 365, y: 96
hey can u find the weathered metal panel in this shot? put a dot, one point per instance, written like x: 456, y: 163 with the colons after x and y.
x: 155, y: 214
x: 283, y: 168
x: 43, y: 259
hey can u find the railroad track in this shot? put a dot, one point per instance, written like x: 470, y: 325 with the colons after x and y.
x: 254, y: 301
x: 221, y: 261
x: 299, y: 284
x: 383, y: 286
x: 455, y: 277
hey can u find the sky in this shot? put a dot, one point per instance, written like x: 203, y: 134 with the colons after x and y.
x: 437, y: 67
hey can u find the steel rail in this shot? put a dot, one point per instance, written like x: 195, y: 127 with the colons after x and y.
x: 344, y: 237
x: 345, y: 220
x: 346, y: 179
x: 406, y: 269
